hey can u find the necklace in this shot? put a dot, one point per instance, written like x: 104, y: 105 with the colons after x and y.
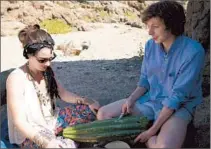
x: 44, y: 99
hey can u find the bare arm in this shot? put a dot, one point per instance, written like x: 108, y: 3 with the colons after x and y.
x: 71, y: 97
x: 15, y: 91
x: 162, y: 118
x: 138, y: 92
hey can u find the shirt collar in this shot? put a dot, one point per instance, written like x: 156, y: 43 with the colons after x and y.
x: 174, y: 45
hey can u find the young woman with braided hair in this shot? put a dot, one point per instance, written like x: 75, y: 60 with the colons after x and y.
x: 32, y: 91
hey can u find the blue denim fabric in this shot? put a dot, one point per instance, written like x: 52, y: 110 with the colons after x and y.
x: 152, y: 108
x: 149, y: 108
x: 144, y: 98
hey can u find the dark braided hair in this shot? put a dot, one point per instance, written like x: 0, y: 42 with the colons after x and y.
x: 51, y: 83
x: 33, y: 40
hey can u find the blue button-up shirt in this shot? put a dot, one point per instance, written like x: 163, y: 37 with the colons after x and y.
x: 175, y: 77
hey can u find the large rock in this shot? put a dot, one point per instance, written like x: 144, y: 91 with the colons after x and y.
x: 72, y: 12
x: 73, y: 47
x: 11, y: 27
x: 138, y: 5
x: 198, y: 21
x: 198, y: 28
x: 202, y: 124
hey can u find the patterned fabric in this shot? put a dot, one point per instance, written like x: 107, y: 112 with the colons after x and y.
x: 76, y: 114
x: 68, y: 116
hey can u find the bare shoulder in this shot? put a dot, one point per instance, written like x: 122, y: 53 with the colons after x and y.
x: 16, y: 78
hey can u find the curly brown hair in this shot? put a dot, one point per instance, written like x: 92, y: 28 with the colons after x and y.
x: 171, y: 12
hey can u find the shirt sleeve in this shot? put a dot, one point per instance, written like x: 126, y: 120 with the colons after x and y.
x: 143, y: 81
x: 189, y: 74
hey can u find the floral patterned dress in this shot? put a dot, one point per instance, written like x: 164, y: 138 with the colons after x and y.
x: 68, y: 116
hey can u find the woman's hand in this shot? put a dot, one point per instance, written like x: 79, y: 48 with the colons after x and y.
x: 127, y: 106
x: 94, y: 106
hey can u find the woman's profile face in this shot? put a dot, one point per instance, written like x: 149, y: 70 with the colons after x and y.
x: 42, y: 59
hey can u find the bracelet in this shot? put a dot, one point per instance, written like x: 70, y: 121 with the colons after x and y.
x: 89, y: 101
x: 85, y: 101
x: 79, y: 101
x: 43, y: 137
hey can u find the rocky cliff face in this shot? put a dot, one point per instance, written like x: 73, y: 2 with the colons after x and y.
x: 16, y: 14
x: 198, y: 28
